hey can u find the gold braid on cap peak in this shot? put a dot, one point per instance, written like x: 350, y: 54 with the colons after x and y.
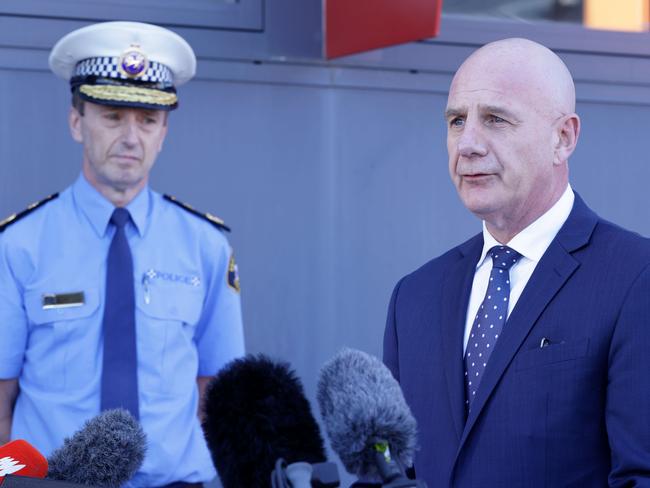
x: 129, y: 94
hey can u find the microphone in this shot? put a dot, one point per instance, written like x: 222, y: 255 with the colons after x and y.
x: 20, y: 458
x: 106, y: 452
x: 256, y: 416
x: 12, y: 481
x: 369, y: 424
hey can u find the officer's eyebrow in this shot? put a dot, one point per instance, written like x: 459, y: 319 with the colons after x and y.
x: 151, y: 113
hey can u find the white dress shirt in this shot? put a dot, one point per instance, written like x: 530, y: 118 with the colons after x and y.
x: 531, y: 243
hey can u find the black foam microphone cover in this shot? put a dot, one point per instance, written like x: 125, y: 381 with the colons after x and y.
x: 255, y: 411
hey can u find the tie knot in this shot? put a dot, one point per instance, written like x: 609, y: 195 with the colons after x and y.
x: 503, y: 257
x: 120, y: 217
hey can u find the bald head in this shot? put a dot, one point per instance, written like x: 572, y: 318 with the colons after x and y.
x: 523, y: 66
x: 511, y: 127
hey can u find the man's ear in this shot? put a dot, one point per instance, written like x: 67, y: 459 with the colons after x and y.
x: 568, y: 131
x: 74, y: 121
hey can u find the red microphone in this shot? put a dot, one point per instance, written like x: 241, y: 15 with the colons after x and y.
x: 20, y: 458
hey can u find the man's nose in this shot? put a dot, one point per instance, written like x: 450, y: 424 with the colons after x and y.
x: 471, y: 142
x: 130, y: 131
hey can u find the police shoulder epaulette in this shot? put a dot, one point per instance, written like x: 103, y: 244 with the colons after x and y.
x: 213, y: 219
x: 17, y: 216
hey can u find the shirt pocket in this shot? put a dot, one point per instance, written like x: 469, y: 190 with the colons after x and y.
x: 170, y: 301
x: 63, y: 344
x: 551, y: 354
x: 168, y: 313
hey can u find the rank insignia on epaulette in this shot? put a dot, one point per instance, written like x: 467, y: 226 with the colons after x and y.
x: 233, y: 274
x: 213, y: 219
x: 17, y: 216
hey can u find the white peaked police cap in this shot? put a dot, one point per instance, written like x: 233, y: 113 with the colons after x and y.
x: 124, y: 64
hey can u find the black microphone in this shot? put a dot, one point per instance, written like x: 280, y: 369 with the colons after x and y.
x: 12, y: 481
x: 369, y: 424
x: 256, y: 416
x: 106, y: 452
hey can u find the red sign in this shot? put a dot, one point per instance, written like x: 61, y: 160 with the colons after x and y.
x: 352, y: 26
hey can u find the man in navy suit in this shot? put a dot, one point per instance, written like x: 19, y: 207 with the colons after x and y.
x: 524, y: 352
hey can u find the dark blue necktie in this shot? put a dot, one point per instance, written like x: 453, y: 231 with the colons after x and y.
x: 489, y: 320
x: 119, y: 373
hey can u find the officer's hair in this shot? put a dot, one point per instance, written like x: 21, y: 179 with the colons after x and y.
x: 77, y: 102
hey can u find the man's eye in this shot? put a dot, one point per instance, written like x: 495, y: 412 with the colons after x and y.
x: 112, y: 116
x: 456, y: 122
x: 496, y: 119
x: 149, y: 119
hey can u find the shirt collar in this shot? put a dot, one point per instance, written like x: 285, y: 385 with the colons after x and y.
x: 98, y: 209
x: 533, y: 241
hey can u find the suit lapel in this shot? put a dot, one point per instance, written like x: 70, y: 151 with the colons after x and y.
x: 457, y: 285
x: 553, y: 270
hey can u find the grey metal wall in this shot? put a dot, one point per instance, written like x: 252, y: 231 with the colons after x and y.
x: 333, y: 176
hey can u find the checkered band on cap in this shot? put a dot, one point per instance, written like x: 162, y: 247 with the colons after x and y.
x: 109, y: 67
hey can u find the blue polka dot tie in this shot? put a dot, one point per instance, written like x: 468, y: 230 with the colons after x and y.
x: 489, y: 320
x: 119, y: 387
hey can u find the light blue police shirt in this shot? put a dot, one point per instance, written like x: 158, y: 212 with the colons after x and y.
x: 188, y: 320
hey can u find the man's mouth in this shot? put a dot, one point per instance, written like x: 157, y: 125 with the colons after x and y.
x: 128, y: 157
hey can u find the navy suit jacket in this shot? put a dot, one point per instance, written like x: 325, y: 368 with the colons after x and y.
x: 575, y: 413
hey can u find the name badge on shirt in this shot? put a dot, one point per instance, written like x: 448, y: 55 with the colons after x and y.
x: 63, y: 300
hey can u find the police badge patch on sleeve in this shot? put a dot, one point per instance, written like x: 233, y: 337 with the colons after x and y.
x: 233, y: 274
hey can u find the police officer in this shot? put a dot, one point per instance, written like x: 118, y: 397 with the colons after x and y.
x: 113, y: 295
